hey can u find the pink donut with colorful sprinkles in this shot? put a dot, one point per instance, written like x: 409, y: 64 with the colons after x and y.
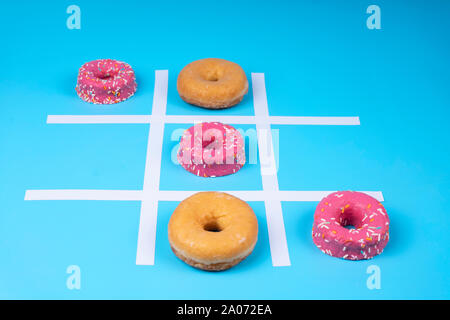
x: 106, y: 81
x: 211, y: 149
x: 349, y: 208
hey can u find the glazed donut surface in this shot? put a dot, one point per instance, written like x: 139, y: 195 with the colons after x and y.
x: 105, y: 81
x: 212, y: 83
x: 350, y: 208
x: 211, y: 149
x: 212, y: 230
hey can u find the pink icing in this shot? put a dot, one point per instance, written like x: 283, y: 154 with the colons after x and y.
x: 211, y: 149
x: 345, y: 208
x: 106, y: 81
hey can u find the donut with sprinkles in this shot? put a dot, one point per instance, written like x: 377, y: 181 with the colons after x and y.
x: 340, y: 210
x: 211, y: 149
x: 105, y: 81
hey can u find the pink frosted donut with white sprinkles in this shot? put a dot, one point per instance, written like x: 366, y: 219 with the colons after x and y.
x: 349, y: 208
x: 106, y: 81
x: 211, y: 149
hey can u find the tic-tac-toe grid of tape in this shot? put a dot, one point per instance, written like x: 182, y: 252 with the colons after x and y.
x: 151, y: 193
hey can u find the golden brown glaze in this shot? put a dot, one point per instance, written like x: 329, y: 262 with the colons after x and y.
x: 213, y: 230
x: 219, y: 266
x: 212, y: 83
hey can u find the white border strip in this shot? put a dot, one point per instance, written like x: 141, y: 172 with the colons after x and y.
x: 130, y: 119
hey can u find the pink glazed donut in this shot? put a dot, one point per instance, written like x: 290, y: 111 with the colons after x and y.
x: 349, y: 208
x: 211, y: 149
x: 105, y: 81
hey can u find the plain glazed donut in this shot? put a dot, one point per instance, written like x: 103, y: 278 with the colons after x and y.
x: 105, y: 81
x: 213, y: 231
x: 212, y: 83
x: 211, y: 149
x: 348, y: 208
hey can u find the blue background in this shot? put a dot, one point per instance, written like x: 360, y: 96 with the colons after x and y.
x: 319, y: 59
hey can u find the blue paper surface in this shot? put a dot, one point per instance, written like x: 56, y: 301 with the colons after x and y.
x: 319, y: 59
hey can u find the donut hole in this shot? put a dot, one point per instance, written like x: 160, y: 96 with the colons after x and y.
x: 105, y: 76
x: 212, y: 75
x: 212, y: 226
x: 213, y: 78
x: 350, y: 219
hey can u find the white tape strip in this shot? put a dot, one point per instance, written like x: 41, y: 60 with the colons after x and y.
x: 200, y: 118
x: 68, y: 194
x: 147, y: 232
x: 130, y: 119
x: 318, y: 195
x: 97, y: 119
x: 326, y: 121
x: 277, y: 234
x: 181, y: 195
x: 274, y: 214
x: 149, y: 207
x: 138, y: 195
